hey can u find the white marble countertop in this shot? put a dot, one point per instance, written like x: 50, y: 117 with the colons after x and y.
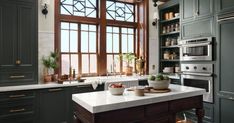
x: 89, y: 80
x: 96, y: 102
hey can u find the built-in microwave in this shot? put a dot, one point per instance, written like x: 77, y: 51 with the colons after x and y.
x: 199, y: 49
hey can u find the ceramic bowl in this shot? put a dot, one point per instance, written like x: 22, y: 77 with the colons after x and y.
x: 164, y: 84
x: 116, y: 91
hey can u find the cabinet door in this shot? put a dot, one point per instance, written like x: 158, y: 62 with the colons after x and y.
x: 27, y: 35
x: 204, y: 8
x: 225, y: 6
x: 55, y: 106
x: 187, y: 9
x: 8, y: 35
x: 198, y: 28
x: 225, y: 84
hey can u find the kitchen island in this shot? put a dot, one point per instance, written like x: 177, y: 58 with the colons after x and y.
x: 102, y: 107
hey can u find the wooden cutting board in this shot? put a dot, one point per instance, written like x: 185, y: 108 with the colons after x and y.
x: 150, y: 90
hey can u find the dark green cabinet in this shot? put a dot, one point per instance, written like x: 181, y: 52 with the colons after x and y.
x: 187, y: 9
x: 225, y: 6
x: 18, y: 107
x: 18, y: 42
x: 197, y: 18
x: 198, y: 28
x: 196, y: 9
x: 225, y: 82
x: 55, y: 105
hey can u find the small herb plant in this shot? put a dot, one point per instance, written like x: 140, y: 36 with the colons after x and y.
x: 50, y: 62
x: 158, y: 77
x: 128, y: 58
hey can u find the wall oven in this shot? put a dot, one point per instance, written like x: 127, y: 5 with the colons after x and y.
x: 200, y: 76
x: 199, y: 49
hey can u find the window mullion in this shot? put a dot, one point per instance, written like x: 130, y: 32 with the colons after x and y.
x: 79, y: 50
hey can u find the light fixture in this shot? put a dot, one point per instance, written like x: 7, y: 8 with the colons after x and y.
x: 44, y: 4
x: 155, y: 2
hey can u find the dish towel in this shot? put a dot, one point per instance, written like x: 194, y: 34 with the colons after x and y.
x: 127, y: 83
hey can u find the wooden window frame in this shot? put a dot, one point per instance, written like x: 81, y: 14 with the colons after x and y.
x: 101, y: 22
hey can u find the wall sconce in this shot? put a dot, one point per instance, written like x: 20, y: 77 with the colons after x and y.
x: 44, y: 4
x: 155, y: 2
x: 155, y: 18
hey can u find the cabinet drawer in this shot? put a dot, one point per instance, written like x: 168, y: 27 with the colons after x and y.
x: 16, y: 107
x: 26, y: 117
x: 16, y: 77
x: 16, y: 95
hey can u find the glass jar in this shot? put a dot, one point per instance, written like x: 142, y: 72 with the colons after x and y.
x: 177, y: 27
x: 166, y: 55
x: 173, y: 41
x: 172, y: 28
x: 168, y: 28
x: 171, y: 15
x: 164, y: 30
x: 173, y: 55
x: 168, y: 42
x: 166, y: 16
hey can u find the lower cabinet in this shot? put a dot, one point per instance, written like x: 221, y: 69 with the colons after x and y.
x: 52, y: 105
x: 18, y: 107
x: 55, y: 105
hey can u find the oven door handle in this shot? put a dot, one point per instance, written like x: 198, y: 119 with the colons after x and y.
x: 199, y: 74
x: 196, y: 45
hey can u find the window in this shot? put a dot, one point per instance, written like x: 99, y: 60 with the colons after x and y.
x: 82, y: 43
x: 119, y: 40
x: 71, y: 51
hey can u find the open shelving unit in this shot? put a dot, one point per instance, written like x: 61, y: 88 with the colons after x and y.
x: 167, y: 35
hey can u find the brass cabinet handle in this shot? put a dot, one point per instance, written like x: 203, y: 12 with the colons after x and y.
x: 17, y: 77
x: 16, y: 110
x: 17, y: 96
x: 54, y: 90
x: 18, y: 62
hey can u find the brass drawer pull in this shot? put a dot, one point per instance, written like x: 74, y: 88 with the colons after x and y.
x: 53, y: 90
x: 17, y: 96
x: 17, y: 77
x: 17, y: 110
x: 18, y: 62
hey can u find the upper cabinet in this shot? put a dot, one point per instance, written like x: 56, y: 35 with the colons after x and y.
x: 225, y: 6
x: 197, y: 18
x: 18, y: 42
x: 196, y: 9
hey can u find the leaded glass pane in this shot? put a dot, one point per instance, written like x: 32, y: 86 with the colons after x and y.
x: 120, y: 11
x: 85, y: 8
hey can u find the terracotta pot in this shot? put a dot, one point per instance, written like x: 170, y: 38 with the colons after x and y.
x: 55, y: 77
x: 128, y: 70
x: 47, y: 78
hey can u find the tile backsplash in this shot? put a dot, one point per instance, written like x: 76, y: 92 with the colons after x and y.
x: 45, y: 46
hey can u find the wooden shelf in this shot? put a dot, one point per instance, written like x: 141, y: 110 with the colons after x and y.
x: 173, y: 19
x: 170, y: 33
x: 168, y: 47
x: 170, y: 60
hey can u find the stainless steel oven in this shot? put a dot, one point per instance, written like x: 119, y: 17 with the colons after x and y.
x: 199, y: 49
x: 200, y: 76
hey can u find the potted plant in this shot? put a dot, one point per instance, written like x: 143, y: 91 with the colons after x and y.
x: 128, y: 59
x: 50, y: 63
x: 159, y: 81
